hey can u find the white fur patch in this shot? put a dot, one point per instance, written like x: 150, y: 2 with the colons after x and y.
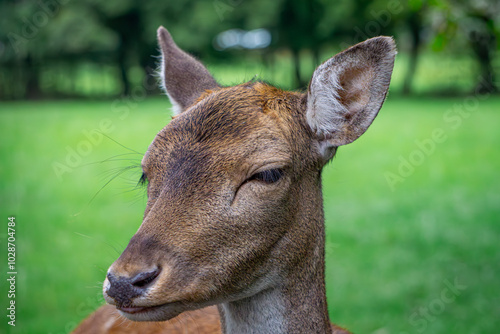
x: 261, y: 313
x: 324, y: 110
x: 176, y: 108
x: 108, y: 324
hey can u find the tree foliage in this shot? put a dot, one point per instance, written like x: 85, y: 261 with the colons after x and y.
x: 36, y: 36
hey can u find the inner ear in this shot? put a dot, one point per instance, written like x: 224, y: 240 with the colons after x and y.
x: 347, y: 91
x: 354, y: 93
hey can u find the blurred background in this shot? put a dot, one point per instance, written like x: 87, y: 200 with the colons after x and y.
x: 96, y: 49
x: 412, y: 207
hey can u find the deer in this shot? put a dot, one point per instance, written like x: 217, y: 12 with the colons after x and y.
x: 233, y: 234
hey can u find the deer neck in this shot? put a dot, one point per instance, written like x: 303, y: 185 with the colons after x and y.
x: 297, y: 304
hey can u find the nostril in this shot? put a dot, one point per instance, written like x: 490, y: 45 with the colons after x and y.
x: 143, y: 279
x: 110, y: 277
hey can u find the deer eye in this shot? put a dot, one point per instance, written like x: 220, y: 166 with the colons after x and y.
x: 268, y: 176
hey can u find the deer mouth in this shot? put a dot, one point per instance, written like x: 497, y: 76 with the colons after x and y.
x: 161, y: 312
x: 133, y: 310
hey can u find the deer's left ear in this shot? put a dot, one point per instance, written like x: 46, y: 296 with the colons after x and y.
x: 184, y: 78
x: 347, y: 91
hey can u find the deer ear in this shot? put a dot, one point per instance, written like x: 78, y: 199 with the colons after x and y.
x: 347, y: 91
x: 183, y: 77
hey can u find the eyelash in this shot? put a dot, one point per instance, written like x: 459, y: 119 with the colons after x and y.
x: 143, y: 180
x: 268, y: 176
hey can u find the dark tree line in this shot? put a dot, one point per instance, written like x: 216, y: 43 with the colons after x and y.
x: 36, y: 37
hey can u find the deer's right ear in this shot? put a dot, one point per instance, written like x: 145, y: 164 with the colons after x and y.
x: 347, y: 91
x: 183, y: 77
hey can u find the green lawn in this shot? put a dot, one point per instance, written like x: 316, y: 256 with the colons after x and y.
x: 413, y: 212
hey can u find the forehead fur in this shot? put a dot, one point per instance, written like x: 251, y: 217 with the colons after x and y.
x: 248, y: 121
x: 235, y: 112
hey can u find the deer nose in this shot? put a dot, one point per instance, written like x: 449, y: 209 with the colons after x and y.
x: 123, y: 288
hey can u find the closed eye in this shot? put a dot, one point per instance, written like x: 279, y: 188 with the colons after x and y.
x: 268, y: 176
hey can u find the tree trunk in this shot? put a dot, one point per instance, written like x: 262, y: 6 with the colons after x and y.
x: 484, y: 43
x: 122, y: 53
x: 32, y: 71
x: 315, y: 56
x: 415, y: 25
x: 299, y: 83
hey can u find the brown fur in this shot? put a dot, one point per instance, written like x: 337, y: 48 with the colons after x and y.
x: 212, y: 232
x: 107, y: 320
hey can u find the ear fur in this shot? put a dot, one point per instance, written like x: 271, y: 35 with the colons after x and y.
x: 183, y: 77
x: 347, y: 91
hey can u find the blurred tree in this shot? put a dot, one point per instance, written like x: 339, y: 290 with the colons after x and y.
x: 38, y: 35
x: 40, y: 38
x: 414, y: 19
x: 470, y: 25
x: 124, y: 19
x: 482, y: 34
x: 297, y: 29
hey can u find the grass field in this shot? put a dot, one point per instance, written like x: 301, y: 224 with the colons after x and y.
x: 412, y: 208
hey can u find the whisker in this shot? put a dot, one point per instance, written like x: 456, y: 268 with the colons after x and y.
x: 112, y: 159
x: 125, y: 147
x: 101, y: 241
x: 109, y: 181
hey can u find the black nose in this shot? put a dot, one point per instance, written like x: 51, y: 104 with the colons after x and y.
x: 123, y: 289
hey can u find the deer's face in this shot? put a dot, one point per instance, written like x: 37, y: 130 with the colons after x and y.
x: 219, y: 178
x: 234, y: 198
